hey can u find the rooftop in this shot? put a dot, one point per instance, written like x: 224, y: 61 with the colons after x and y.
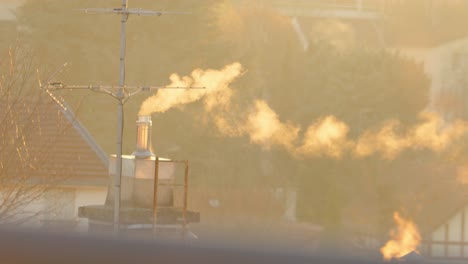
x: 56, y: 143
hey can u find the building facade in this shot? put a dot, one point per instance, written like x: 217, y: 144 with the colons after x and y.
x: 450, y: 239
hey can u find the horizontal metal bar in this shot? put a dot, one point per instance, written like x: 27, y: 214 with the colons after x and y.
x: 147, y: 226
x: 171, y: 185
x: 175, y: 226
x: 129, y: 11
x: 58, y: 86
x: 174, y: 161
x: 173, y: 207
x: 456, y: 243
x: 147, y: 88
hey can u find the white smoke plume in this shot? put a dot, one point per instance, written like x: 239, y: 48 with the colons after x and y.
x: 216, y: 93
x: 431, y: 133
x: 327, y: 137
x: 264, y: 127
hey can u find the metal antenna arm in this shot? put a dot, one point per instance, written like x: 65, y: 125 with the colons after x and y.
x: 60, y: 85
x: 107, y: 89
x: 56, y: 72
x: 129, y: 11
x: 134, y: 93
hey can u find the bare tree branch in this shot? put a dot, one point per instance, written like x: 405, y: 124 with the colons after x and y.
x: 27, y: 139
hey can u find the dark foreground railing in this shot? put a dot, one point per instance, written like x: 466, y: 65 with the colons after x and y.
x: 31, y: 247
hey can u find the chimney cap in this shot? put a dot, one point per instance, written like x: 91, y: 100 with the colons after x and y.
x: 144, y: 118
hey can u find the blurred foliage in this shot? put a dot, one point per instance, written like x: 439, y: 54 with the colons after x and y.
x: 361, y: 86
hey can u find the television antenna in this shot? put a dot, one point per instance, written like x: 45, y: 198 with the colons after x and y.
x: 121, y: 92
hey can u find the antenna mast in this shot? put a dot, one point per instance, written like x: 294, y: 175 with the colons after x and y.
x: 120, y: 98
x: 120, y: 92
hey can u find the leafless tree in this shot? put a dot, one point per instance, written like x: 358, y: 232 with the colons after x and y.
x: 30, y: 123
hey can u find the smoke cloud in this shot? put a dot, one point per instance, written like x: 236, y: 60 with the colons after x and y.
x: 431, y: 133
x: 216, y: 93
x: 260, y: 124
x: 265, y: 128
x: 327, y: 137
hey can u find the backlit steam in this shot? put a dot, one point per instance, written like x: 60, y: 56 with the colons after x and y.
x: 216, y: 90
x: 264, y: 127
x: 327, y: 137
x: 431, y: 134
x: 405, y: 239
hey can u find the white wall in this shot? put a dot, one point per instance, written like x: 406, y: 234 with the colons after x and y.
x: 88, y: 196
x: 438, y: 235
x: 451, y: 231
x: 60, y: 205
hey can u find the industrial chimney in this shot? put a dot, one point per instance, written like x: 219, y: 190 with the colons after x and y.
x: 137, y: 199
x: 143, y: 143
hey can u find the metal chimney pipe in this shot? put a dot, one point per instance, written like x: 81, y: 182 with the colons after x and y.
x: 143, y: 144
